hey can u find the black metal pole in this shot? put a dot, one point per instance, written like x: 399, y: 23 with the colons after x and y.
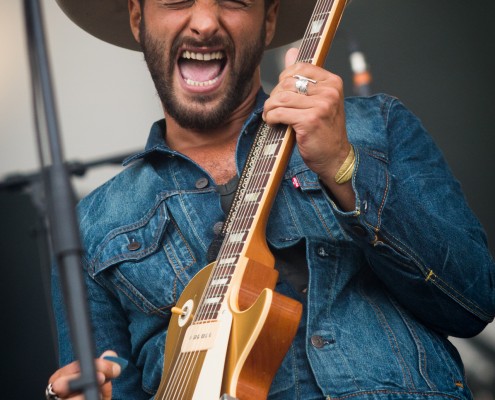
x: 60, y: 200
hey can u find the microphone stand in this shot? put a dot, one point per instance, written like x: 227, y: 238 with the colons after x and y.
x: 60, y: 200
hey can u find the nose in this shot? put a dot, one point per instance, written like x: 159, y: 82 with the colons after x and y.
x: 204, y: 22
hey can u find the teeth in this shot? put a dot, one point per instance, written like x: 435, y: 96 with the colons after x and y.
x: 217, y: 55
x: 190, y: 82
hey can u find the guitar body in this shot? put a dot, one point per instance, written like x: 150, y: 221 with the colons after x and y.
x: 251, y: 337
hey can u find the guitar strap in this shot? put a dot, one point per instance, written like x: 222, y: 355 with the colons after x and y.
x: 227, y: 193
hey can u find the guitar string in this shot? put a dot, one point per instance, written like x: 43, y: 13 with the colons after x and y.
x: 267, y: 160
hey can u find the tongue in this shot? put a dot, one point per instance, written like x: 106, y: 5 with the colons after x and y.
x: 199, y: 71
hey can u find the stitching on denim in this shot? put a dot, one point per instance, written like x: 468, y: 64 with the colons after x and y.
x: 149, y: 309
x: 388, y: 103
x: 382, y: 205
x: 453, y: 293
x: 127, y: 228
x: 296, y: 371
x: 398, y: 393
x: 382, y: 157
x: 392, y: 339
x: 288, y: 207
x: 148, y: 390
x: 186, y: 214
x: 322, y: 220
x: 423, y: 362
x: 395, y: 243
x: 127, y: 256
x: 430, y: 276
x: 131, y: 298
x: 178, y: 270
x: 191, y: 254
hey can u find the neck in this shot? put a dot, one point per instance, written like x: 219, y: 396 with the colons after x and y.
x: 213, y: 149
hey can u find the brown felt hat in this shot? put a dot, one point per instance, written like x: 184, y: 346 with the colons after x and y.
x: 108, y: 20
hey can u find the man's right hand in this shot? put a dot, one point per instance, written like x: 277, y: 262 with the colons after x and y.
x: 105, y: 371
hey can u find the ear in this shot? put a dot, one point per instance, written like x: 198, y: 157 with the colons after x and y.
x: 135, y: 15
x: 271, y: 21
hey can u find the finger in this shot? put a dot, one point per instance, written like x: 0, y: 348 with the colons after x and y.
x: 61, y: 385
x: 106, y: 369
x: 291, y: 56
x: 106, y: 391
x: 110, y: 364
x: 69, y: 369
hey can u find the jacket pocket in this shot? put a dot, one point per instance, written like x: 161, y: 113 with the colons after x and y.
x: 143, y: 263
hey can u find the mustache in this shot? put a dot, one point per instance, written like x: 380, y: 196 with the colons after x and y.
x: 215, y: 41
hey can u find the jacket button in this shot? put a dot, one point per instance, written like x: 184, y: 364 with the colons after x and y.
x: 133, y: 246
x: 201, y: 183
x: 217, y: 228
x: 322, y: 252
x: 317, y: 341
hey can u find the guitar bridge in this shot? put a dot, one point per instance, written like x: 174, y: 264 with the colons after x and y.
x: 228, y: 397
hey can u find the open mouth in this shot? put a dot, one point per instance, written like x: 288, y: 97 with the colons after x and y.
x: 201, y: 69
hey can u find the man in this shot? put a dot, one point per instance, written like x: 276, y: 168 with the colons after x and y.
x: 369, y: 229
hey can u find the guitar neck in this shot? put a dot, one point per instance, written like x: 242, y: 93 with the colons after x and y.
x: 244, y: 229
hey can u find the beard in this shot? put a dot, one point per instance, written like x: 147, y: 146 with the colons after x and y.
x: 198, y: 115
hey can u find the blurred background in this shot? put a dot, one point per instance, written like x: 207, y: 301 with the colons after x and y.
x: 436, y: 56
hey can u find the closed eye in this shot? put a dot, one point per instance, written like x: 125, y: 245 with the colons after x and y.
x: 236, y: 4
x: 176, y: 4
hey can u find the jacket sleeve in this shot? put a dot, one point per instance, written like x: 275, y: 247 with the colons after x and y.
x: 110, y: 332
x: 416, y: 229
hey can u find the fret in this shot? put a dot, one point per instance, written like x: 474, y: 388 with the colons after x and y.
x: 266, y: 164
x: 209, y: 312
x: 244, y: 223
x: 233, y: 249
x: 216, y: 290
x: 225, y: 270
x: 237, y: 237
x: 248, y: 209
x: 213, y: 300
x: 252, y: 197
x: 220, y: 281
x: 261, y: 179
x: 322, y: 13
x: 228, y: 261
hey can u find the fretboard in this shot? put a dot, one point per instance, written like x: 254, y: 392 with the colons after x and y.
x: 262, y: 173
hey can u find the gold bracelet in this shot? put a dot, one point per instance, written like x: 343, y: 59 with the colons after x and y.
x: 344, y: 173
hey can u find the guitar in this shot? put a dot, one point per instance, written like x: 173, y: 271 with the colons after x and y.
x: 230, y: 331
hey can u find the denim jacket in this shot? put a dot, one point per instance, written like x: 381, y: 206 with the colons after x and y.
x: 388, y: 281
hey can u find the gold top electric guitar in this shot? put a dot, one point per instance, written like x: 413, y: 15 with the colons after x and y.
x: 230, y: 331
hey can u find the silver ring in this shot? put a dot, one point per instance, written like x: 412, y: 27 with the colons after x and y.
x: 302, y: 84
x: 50, y: 394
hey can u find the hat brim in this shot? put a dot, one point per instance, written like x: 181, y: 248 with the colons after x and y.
x: 108, y: 20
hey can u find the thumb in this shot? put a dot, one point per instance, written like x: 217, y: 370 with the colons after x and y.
x: 291, y: 56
